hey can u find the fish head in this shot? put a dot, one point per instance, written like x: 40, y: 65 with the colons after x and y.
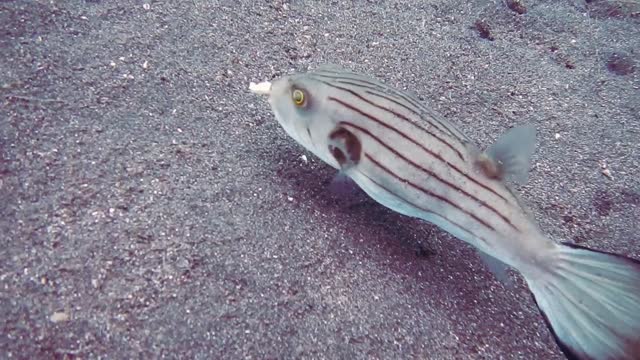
x: 299, y: 102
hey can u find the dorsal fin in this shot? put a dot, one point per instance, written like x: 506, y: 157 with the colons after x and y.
x: 510, y: 157
x: 331, y: 67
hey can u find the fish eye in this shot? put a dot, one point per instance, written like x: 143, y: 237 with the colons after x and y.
x: 298, y: 97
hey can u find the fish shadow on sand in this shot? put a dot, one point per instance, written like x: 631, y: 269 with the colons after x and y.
x: 451, y: 277
x: 406, y: 239
x: 407, y: 246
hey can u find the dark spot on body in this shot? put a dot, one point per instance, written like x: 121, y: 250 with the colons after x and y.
x: 620, y: 64
x: 489, y: 167
x: 483, y: 30
x: 338, y: 155
x: 345, y: 147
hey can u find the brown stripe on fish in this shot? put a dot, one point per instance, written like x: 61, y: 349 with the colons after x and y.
x: 423, y: 209
x: 431, y: 120
x: 344, y: 78
x: 427, y: 192
x: 397, y: 114
x: 427, y: 115
x: 429, y: 172
x: 381, y: 93
x: 415, y: 142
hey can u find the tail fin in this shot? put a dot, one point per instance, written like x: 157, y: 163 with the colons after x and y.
x: 591, y: 303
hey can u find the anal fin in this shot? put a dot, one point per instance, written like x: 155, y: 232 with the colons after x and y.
x: 497, y: 268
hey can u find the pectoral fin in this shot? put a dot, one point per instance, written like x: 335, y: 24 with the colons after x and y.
x: 510, y: 157
x: 346, y: 149
x: 342, y: 185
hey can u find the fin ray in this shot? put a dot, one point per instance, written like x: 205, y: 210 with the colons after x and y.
x: 591, y: 302
x: 511, y: 154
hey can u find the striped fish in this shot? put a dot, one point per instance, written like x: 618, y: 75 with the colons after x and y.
x: 409, y: 159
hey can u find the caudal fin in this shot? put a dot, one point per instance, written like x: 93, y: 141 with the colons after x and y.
x: 591, y: 302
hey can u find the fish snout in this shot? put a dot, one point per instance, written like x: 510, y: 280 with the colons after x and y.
x: 263, y: 88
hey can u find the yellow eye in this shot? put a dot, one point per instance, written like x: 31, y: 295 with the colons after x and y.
x: 298, y: 97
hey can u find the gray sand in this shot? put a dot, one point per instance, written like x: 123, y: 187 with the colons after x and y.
x: 153, y: 208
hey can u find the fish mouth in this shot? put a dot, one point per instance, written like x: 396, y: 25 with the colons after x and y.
x: 263, y: 88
